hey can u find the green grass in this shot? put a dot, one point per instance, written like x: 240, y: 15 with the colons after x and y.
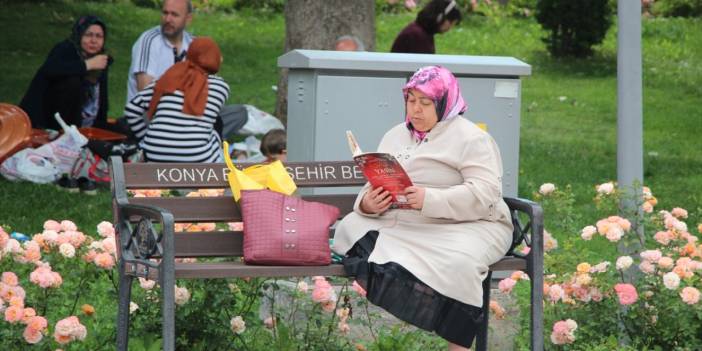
x: 571, y: 142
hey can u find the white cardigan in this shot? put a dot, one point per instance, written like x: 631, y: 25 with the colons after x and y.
x: 464, y: 225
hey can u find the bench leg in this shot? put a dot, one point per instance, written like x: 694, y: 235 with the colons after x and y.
x: 168, y: 304
x: 537, y: 308
x: 125, y: 295
x: 481, y: 339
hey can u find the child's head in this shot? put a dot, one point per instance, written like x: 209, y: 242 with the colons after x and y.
x: 273, y: 145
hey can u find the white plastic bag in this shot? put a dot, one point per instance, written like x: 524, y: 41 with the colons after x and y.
x: 32, y: 165
x: 251, y: 147
x: 259, y: 122
x: 46, y: 163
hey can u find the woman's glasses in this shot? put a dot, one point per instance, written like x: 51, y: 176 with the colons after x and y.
x: 94, y: 35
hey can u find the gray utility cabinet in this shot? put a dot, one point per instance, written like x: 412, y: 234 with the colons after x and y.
x: 330, y: 92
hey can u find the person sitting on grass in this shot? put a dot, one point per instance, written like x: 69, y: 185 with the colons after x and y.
x: 72, y: 80
x: 182, y: 108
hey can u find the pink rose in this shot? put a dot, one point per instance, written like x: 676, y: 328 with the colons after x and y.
x: 666, y: 262
x: 679, y: 212
x: 690, y: 295
x: 506, y: 285
x: 652, y: 255
x: 67, y: 225
x: 588, y: 232
x: 104, y: 260
x: 564, y: 332
x: 358, y: 288
x: 647, y: 267
x: 10, y: 278
x: 323, y: 291
x: 555, y: 293
x: 14, y: 314
x: 32, y: 336
x: 626, y: 293
x: 269, y: 322
x: 37, y: 323
x: 52, y: 225
x: 662, y: 238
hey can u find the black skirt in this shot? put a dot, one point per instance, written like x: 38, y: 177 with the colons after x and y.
x: 399, y: 292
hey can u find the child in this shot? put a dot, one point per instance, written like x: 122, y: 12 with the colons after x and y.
x: 273, y: 145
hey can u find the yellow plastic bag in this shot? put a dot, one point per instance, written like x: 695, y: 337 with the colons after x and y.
x: 272, y: 176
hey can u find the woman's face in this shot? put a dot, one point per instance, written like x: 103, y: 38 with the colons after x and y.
x: 446, y: 26
x: 421, y: 111
x: 93, y: 40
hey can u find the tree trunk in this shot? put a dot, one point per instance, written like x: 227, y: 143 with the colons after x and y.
x: 316, y: 24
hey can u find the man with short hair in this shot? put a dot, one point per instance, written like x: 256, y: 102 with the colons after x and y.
x: 349, y: 43
x: 160, y: 47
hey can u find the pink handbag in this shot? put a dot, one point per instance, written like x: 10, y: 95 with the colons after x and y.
x: 285, y: 230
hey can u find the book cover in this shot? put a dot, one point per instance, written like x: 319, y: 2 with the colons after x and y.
x: 382, y: 169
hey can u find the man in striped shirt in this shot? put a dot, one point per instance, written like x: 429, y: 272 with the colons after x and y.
x: 160, y: 47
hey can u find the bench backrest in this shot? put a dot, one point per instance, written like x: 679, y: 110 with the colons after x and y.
x: 193, y: 176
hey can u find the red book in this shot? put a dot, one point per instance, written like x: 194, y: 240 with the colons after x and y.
x: 382, y: 170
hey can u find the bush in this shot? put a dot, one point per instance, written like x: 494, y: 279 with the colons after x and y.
x: 649, y: 297
x: 573, y: 26
x: 678, y: 8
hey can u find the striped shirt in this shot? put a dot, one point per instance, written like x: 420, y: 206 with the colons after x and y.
x: 173, y: 136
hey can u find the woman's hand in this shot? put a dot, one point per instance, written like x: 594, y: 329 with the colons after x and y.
x: 96, y: 62
x: 415, y: 196
x: 376, y: 201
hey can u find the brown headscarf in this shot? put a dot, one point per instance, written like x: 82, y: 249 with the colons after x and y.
x: 190, y: 77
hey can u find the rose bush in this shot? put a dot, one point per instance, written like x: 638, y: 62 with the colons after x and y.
x: 648, y: 299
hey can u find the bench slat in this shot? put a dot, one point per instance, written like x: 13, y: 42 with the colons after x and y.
x: 224, y: 209
x: 209, y: 244
x: 239, y: 269
x: 212, y: 244
x: 213, y: 175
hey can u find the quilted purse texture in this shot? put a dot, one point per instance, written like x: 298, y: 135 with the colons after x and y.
x: 285, y: 230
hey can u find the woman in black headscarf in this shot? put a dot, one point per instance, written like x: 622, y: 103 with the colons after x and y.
x: 72, y: 80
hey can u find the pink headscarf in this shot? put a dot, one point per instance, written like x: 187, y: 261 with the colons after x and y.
x: 439, y: 84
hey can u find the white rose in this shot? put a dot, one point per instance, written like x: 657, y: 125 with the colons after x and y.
x: 302, y: 286
x: 546, y: 188
x: 133, y: 307
x: 238, y: 325
x: 80, y: 332
x: 624, y: 262
x: 50, y: 236
x: 605, y: 188
x: 96, y: 245
x: 671, y: 280
x: 105, y: 229
x: 680, y: 226
x: 588, y: 232
x: 67, y: 250
x: 182, y: 295
x: 13, y: 246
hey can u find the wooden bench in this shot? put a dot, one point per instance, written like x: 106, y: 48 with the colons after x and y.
x: 145, y: 230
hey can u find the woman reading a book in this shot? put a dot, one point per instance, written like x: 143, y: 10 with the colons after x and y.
x: 426, y: 264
